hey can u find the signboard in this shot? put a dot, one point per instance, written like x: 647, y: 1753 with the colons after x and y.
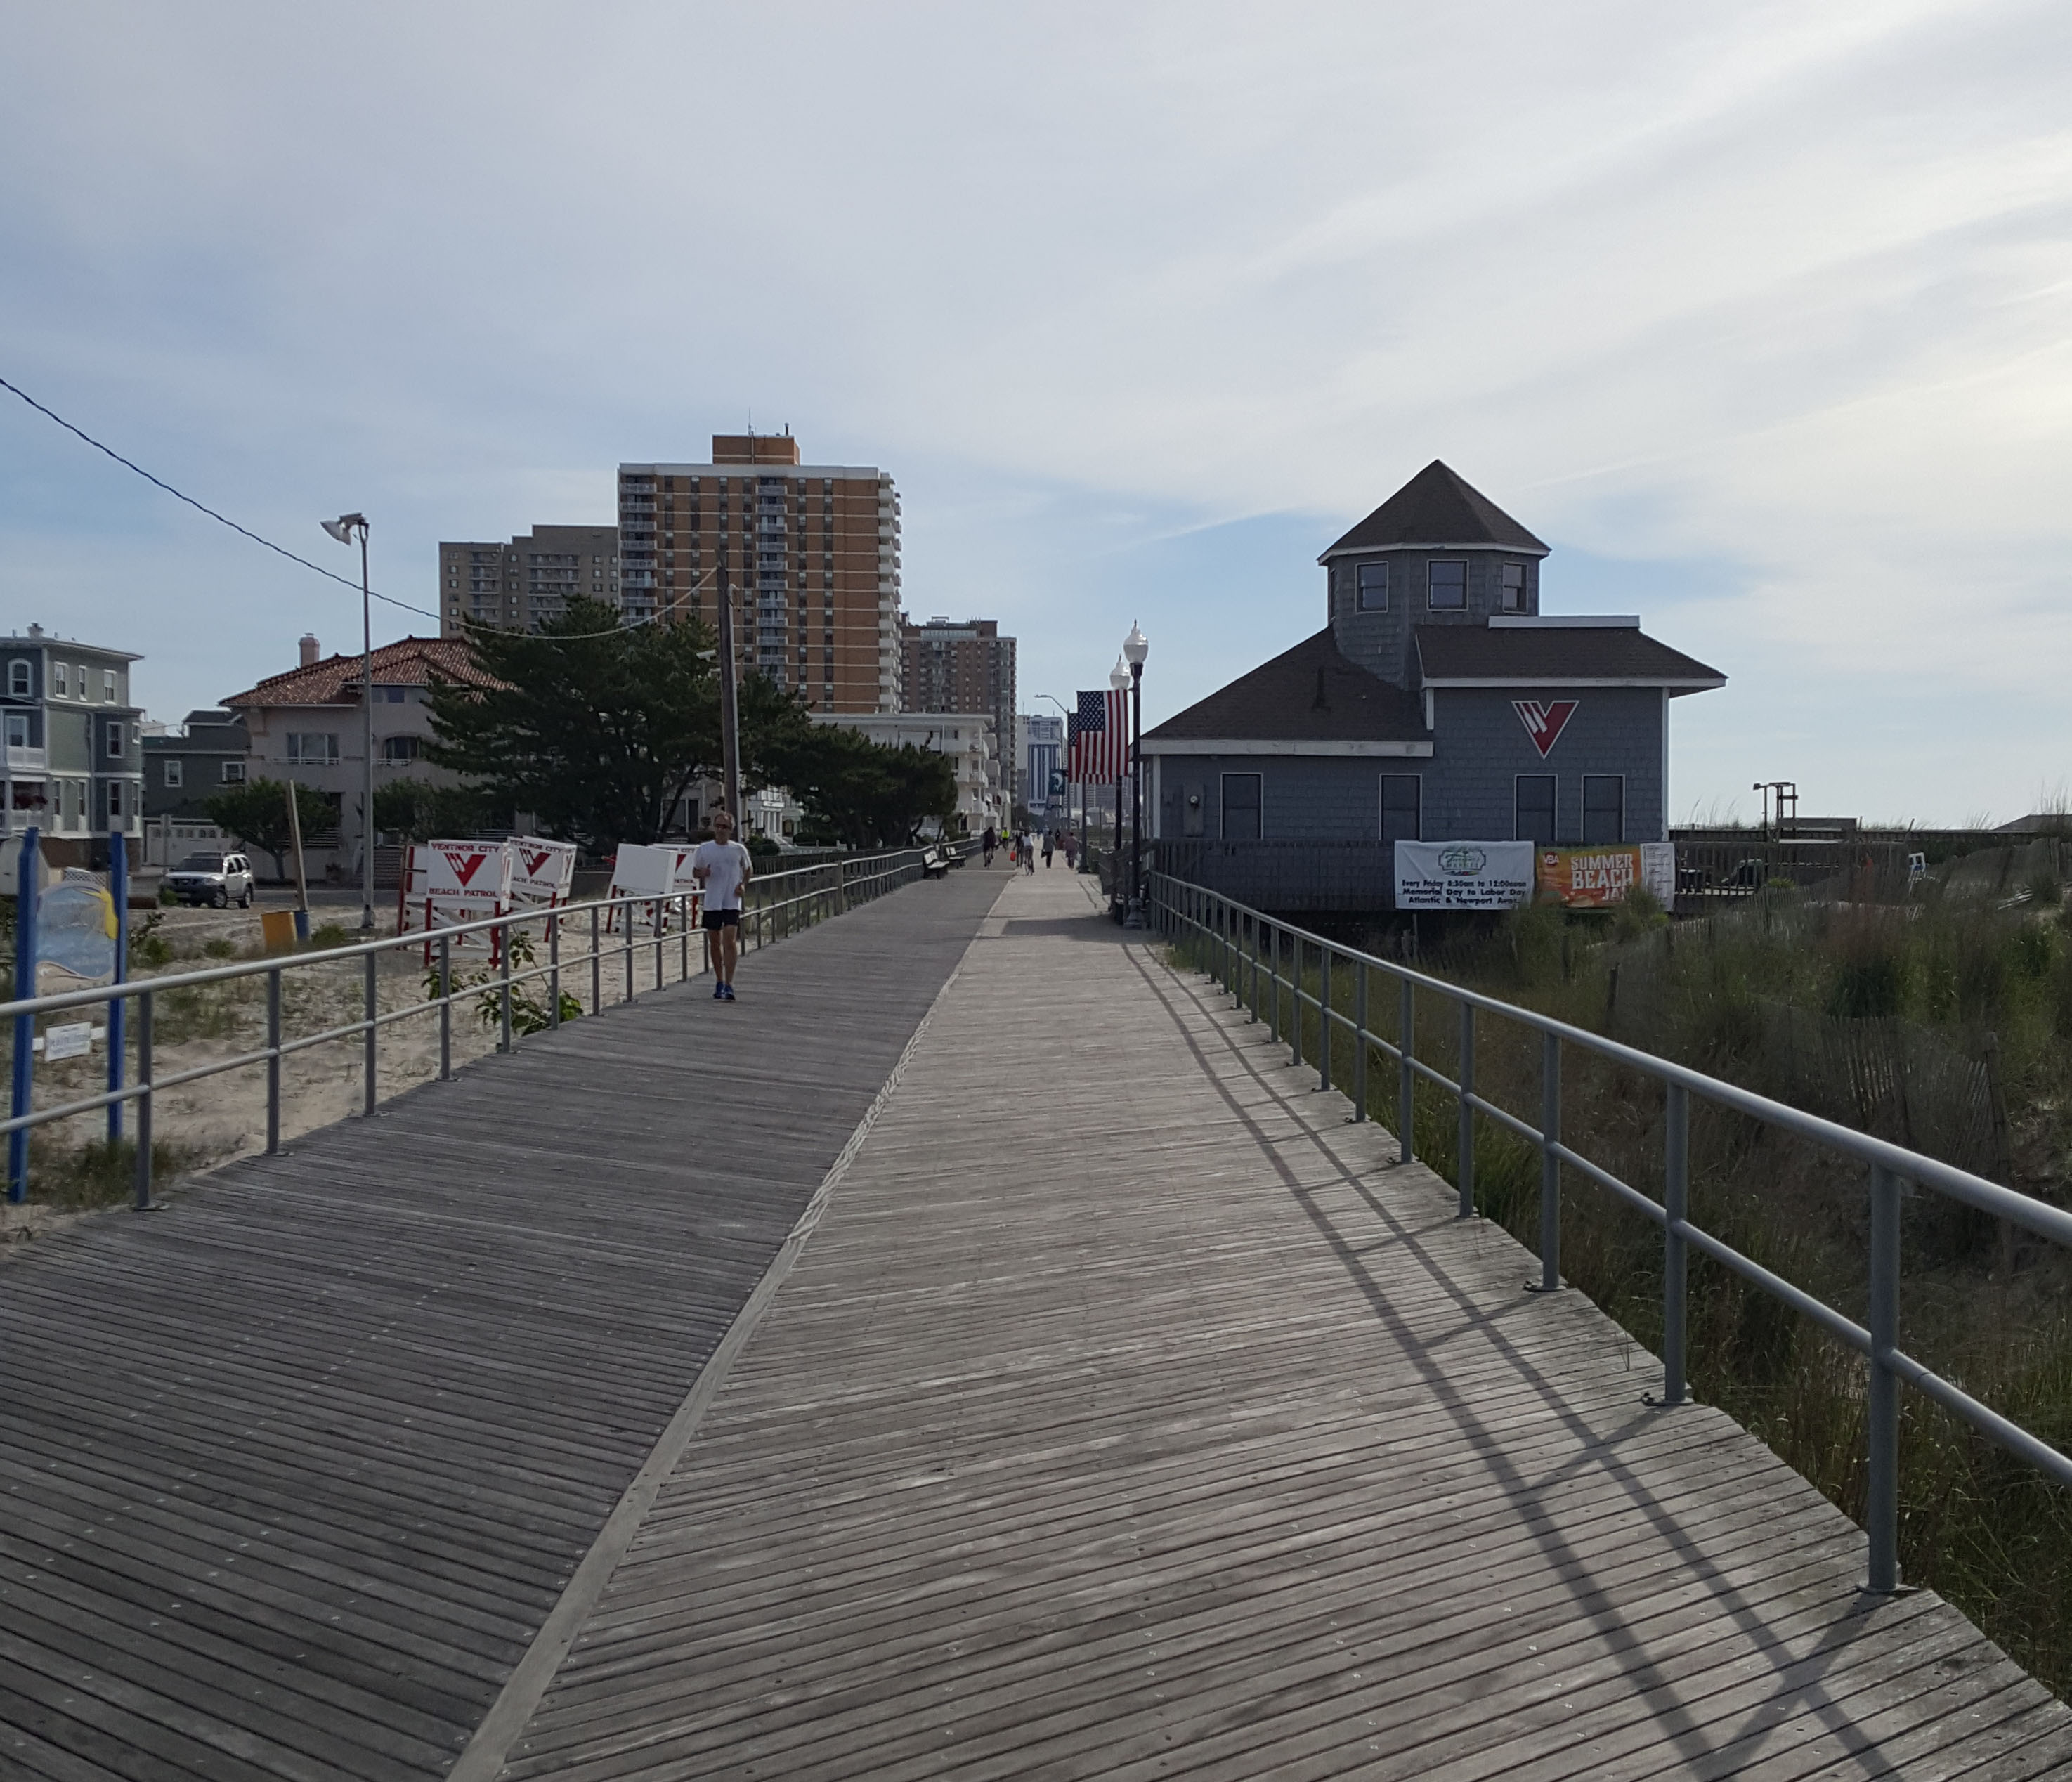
x: 73, y: 1040
x: 75, y: 936
x: 643, y: 870
x: 447, y: 884
x: 1544, y: 723
x: 1462, y: 875
x: 541, y: 871
x: 1596, y: 878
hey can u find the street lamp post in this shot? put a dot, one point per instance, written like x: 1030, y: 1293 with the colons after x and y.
x: 1118, y: 681
x: 343, y: 529
x: 1134, y: 647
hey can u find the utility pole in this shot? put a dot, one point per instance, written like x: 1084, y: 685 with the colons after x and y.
x: 729, y: 716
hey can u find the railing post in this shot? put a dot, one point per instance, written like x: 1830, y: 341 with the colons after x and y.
x: 1295, y: 1000
x: 1464, y: 1145
x: 1359, y: 1042
x: 145, y: 1077
x: 627, y: 911
x: 553, y: 969
x: 1273, y: 978
x: 445, y: 1005
x: 1675, y: 1265
x: 661, y: 916
x: 371, y: 998
x: 1258, y: 941
x: 1324, y: 1016
x: 1881, y: 1511
x: 273, y: 1060
x: 596, y: 966
x: 1550, y: 1165
x: 1406, y: 1077
x: 503, y: 988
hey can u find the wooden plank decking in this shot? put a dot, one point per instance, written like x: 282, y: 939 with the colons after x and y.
x: 1128, y: 1415
x: 291, y: 1473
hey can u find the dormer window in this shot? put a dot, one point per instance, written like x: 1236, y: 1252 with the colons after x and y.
x: 1511, y: 598
x: 1446, y: 585
x: 1371, y: 588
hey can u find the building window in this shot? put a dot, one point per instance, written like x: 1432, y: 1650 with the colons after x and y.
x: 1242, y: 799
x: 312, y: 748
x: 175, y: 774
x: 1446, y: 585
x: 1512, y: 597
x: 115, y: 741
x: 114, y: 801
x: 18, y: 679
x: 401, y: 748
x: 108, y: 685
x: 1402, y: 807
x: 1372, y: 579
x: 60, y: 682
x: 18, y: 729
x: 1604, y: 808
x: 233, y: 773
x: 1535, y: 808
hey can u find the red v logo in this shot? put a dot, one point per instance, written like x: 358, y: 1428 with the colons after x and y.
x: 534, y: 862
x: 466, y: 866
x: 1545, y: 723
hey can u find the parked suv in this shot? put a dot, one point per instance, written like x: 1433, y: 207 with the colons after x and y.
x: 212, y: 879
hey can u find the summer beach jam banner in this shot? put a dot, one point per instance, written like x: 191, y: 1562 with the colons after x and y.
x: 1462, y: 875
x: 1595, y: 878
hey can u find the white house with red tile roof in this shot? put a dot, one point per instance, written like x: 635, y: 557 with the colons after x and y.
x: 305, y: 726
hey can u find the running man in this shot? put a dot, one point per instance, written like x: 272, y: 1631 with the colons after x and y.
x: 722, y: 867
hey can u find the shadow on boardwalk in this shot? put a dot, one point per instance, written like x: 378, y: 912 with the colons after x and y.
x: 295, y: 1469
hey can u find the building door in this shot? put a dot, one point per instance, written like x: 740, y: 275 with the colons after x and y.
x: 1243, y: 798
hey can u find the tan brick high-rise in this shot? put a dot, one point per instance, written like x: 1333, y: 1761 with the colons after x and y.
x: 809, y: 552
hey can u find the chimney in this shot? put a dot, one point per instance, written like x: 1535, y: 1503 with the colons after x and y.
x: 309, y: 649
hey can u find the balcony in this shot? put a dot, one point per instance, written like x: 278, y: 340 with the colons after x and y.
x: 22, y: 758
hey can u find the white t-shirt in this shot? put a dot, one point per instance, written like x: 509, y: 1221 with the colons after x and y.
x: 726, y: 864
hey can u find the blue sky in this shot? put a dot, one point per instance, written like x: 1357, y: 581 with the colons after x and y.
x: 1761, y: 315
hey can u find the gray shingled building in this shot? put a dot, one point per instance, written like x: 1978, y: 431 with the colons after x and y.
x: 1437, y: 704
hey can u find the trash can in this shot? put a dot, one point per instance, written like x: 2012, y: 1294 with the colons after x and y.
x: 278, y: 927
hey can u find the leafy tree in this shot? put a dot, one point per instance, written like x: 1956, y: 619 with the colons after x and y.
x: 599, y: 728
x: 864, y: 794
x: 419, y: 811
x: 256, y: 813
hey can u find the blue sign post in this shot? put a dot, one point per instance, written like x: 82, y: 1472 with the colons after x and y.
x: 28, y: 889
x: 118, y: 888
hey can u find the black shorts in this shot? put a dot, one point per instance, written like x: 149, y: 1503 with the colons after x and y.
x: 716, y: 920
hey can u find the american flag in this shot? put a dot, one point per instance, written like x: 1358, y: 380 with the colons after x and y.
x: 1100, y: 731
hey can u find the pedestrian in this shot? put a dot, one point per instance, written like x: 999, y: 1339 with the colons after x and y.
x: 990, y: 841
x: 1072, y: 847
x: 1050, y: 844
x: 1029, y: 850
x: 722, y: 867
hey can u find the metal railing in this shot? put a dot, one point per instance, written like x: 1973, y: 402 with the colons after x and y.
x: 628, y: 928
x: 1262, y: 961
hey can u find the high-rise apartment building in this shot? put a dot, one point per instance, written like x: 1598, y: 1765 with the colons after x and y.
x: 947, y: 666
x: 809, y: 553
x: 517, y: 586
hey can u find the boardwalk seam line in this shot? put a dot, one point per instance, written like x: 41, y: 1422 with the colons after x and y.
x: 511, y: 1711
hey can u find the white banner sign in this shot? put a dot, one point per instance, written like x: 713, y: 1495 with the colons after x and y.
x: 476, y: 870
x: 1463, y: 875
x: 541, y: 871
x: 640, y: 869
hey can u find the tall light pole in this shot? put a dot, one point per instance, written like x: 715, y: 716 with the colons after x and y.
x: 1118, y: 681
x: 342, y: 529
x: 1134, y: 647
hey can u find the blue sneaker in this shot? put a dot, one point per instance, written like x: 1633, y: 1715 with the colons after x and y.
x: 727, y: 990
x: 719, y: 993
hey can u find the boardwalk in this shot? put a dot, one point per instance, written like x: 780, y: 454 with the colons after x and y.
x: 1125, y: 1414
x: 293, y: 1471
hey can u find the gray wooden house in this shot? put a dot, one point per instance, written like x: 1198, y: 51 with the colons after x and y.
x: 1438, y: 703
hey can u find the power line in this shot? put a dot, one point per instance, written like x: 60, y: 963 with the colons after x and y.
x: 159, y: 482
